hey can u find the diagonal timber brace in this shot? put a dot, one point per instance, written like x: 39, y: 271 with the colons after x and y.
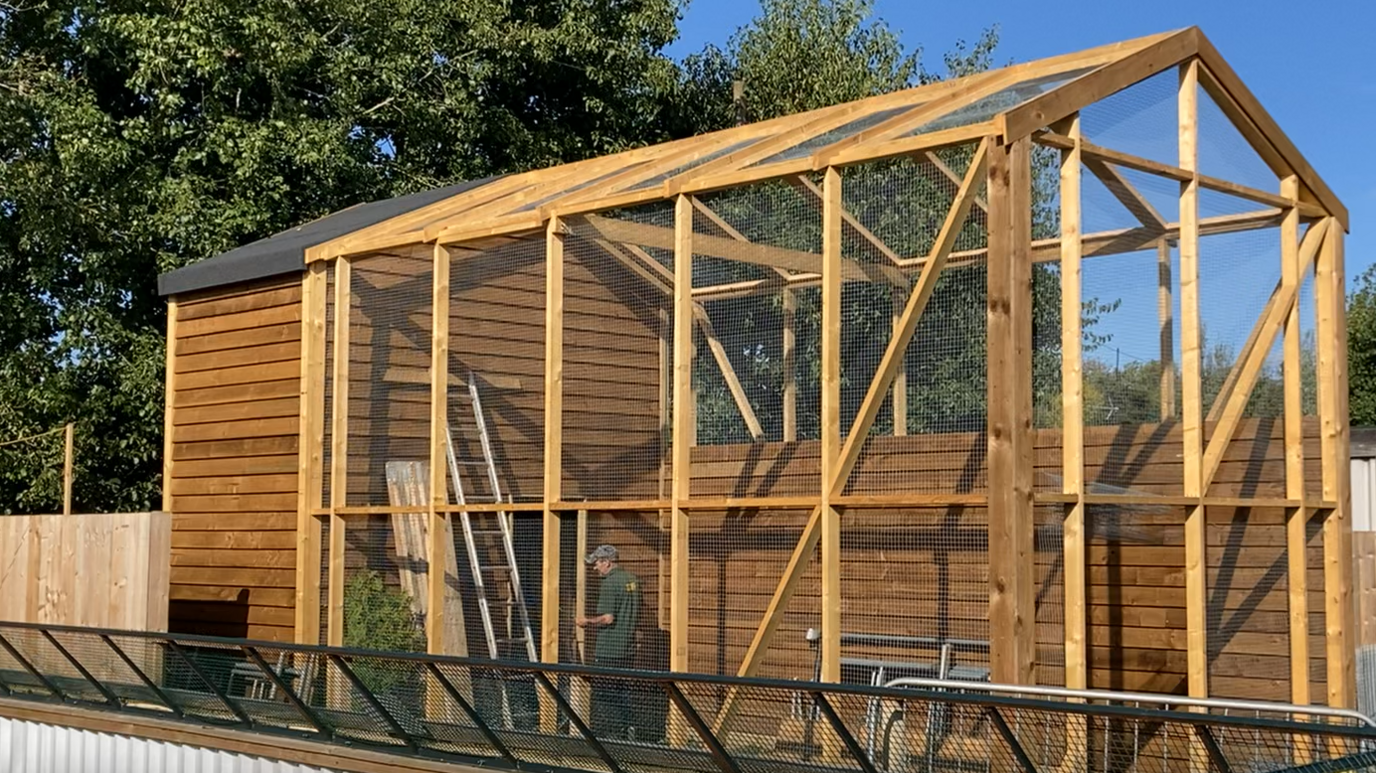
x: 1249, y: 366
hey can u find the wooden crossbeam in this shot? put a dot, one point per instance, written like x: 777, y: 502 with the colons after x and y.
x: 1099, y: 244
x: 950, y: 174
x: 1276, y: 314
x: 1225, y: 390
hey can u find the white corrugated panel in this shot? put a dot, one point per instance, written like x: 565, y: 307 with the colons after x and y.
x: 1363, y: 494
x: 30, y: 747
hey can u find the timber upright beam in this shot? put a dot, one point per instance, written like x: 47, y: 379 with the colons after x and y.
x: 1339, y: 616
x: 831, y: 425
x: 438, y: 551
x: 1012, y: 620
x: 1072, y: 404
x: 1191, y: 409
x: 553, y: 456
x: 1296, y: 518
x: 310, y: 472
x: 683, y: 438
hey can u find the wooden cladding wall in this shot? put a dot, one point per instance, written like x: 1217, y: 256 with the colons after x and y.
x: 497, y: 334
x: 924, y: 571
x: 236, y: 361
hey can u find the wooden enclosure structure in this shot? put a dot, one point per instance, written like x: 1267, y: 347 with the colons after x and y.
x: 835, y: 371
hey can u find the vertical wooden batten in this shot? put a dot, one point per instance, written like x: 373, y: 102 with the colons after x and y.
x: 1012, y: 620
x: 683, y: 434
x: 310, y: 470
x: 1296, y: 518
x: 1191, y: 363
x: 553, y: 472
x: 169, y: 404
x: 1166, y: 319
x: 789, y: 356
x: 1339, y: 613
x: 1072, y: 404
x: 339, y: 449
x: 900, y: 379
x: 440, y: 546
x: 831, y: 425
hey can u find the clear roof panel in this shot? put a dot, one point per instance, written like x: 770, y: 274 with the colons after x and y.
x: 1007, y: 98
x: 713, y: 156
x: 564, y: 191
x: 811, y: 144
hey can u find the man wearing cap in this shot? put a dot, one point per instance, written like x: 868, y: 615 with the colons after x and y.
x: 618, y: 613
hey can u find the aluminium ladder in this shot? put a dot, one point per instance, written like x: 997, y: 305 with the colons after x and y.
x: 502, y: 560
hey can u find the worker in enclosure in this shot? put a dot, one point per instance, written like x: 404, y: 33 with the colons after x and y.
x: 618, y: 614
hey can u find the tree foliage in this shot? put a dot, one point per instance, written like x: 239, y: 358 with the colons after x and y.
x: 1361, y: 349
x: 136, y: 137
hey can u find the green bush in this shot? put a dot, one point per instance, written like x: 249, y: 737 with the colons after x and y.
x: 379, y: 618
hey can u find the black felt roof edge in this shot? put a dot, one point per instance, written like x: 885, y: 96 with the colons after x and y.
x: 285, y: 253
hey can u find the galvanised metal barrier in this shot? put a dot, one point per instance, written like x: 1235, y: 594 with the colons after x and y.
x: 525, y: 716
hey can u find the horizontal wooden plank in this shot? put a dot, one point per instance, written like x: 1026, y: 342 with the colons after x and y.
x: 222, y: 577
x: 282, y: 483
x: 270, y: 633
x: 243, y: 374
x: 237, y: 430
x: 277, y: 315
x: 284, y: 520
x: 229, y: 613
x: 263, y: 597
x: 285, y: 295
x: 240, y: 557
x: 235, y: 466
x: 233, y: 412
x: 236, y: 503
x: 233, y: 340
x: 237, y: 393
x: 232, y: 449
x: 289, y: 351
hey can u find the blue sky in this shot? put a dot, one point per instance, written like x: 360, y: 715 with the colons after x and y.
x: 1312, y: 65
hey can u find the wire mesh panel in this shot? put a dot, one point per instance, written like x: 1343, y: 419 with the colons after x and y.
x: 915, y: 594
x: 1140, y: 120
x: 496, y: 409
x: 1136, y: 593
x: 1050, y: 594
x: 385, y: 581
x: 617, y: 326
x: 389, y: 370
x: 737, y: 560
x: 1248, y: 611
x: 756, y: 362
x: 897, y: 210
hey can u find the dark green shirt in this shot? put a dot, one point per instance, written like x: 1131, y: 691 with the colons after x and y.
x: 619, y: 596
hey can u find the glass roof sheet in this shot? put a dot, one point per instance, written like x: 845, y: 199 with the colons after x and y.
x: 811, y: 144
x: 713, y: 156
x: 1002, y: 100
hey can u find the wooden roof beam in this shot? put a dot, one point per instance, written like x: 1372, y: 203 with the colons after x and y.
x: 1100, y: 244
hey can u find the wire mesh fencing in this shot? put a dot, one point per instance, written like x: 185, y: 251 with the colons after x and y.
x: 466, y: 712
x: 618, y: 327
x: 390, y: 338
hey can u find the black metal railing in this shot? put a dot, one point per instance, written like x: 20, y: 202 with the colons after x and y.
x: 552, y: 717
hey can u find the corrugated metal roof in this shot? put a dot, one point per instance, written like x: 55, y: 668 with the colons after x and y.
x: 32, y: 747
x: 285, y: 252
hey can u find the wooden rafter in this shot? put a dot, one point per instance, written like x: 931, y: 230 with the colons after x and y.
x: 1126, y: 193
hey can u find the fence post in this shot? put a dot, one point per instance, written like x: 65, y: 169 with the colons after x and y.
x: 67, y: 473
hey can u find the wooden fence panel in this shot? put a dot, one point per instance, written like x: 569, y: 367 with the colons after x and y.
x: 100, y: 571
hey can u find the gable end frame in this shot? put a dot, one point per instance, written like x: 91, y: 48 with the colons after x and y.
x: 1217, y: 78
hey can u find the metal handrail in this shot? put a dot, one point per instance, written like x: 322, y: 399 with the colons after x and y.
x: 1158, y: 699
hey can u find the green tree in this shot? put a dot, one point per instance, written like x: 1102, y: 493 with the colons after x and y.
x: 136, y: 137
x: 1361, y: 349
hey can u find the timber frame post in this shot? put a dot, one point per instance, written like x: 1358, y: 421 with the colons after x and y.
x: 553, y: 471
x: 1339, y: 610
x: 310, y: 473
x: 683, y: 438
x: 440, y: 545
x: 831, y: 483
x: 1012, y: 614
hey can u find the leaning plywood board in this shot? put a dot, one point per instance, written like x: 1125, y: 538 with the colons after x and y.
x: 408, y: 485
